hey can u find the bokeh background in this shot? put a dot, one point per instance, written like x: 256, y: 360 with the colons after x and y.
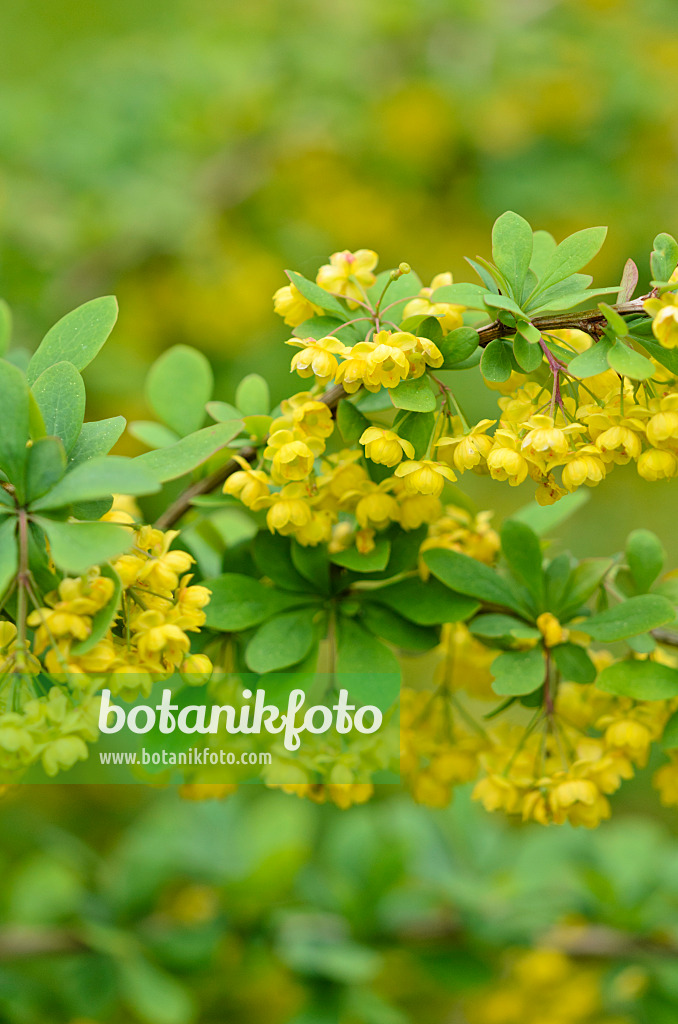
x: 181, y: 153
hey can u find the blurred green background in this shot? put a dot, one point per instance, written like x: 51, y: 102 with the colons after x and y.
x: 181, y: 153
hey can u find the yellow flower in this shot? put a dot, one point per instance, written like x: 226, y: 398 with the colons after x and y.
x: 469, y: 450
x: 317, y: 357
x: 376, y: 508
x: 584, y: 466
x: 664, y: 312
x: 424, y: 476
x: 289, y: 511
x: 416, y: 509
x: 551, y: 630
x: 496, y: 793
x: 348, y: 274
x: 655, y: 464
x: 449, y: 314
x: 544, y: 441
x: 196, y: 669
x: 666, y: 781
x: 247, y: 484
x: 311, y: 418
x: 318, y: 530
x: 354, y: 369
x: 619, y: 444
x: 505, y: 462
x: 385, y: 447
x: 289, y: 303
x: 387, y: 362
x: 292, y: 459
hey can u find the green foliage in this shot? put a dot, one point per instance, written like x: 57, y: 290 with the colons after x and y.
x: 178, y: 387
x: 76, y: 338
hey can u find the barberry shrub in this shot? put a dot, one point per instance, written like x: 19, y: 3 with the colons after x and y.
x: 328, y: 538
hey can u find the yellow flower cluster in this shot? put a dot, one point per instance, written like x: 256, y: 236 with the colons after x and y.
x: 53, y: 730
x: 147, y: 638
x: 436, y: 753
x: 542, y: 985
x: 583, y: 440
x: 566, y: 769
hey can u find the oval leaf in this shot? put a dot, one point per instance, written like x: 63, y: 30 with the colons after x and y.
x: 77, y: 337
x: 642, y: 680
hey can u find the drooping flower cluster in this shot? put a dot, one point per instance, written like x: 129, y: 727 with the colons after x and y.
x: 145, y: 638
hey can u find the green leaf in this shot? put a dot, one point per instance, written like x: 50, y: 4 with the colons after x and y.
x: 365, y: 666
x: 584, y: 580
x: 222, y: 411
x: 668, y: 357
x: 15, y: 422
x: 544, y: 518
x: 495, y: 626
x: 573, y: 663
x: 641, y: 680
x: 351, y: 422
x: 467, y: 576
x: 645, y: 556
x: 77, y: 337
x: 528, y: 356
x: 396, y: 629
x: 374, y: 561
x: 98, y: 478
x: 317, y: 295
x: 461, y: 294
x: 104, y: 618
x: 503, y: 302
x: 664, y: 256
x: 522, y: 551
x: 630, y: 363
x: 76, y: 547
x: 426, y: 603
x: 543, y: 248
x: 416, y: 395
x: 240, y: 602
x: 5, y: 327
x: 495, y: 362
x: 592, y: 361
x: 628, y: 283
x: 178, y: 459
x: 60, y: 394
x: 458, y: 345
x: 572, y: 254
x: 512, y: 248
x: 637, y: 615
x: 669, y: 740
x: 272, y: 556
x: 178, y: 387
x: 9, y: 554
x: 153, y: 996
x: 45, y: 465
x: 324, y: 326
x: 430, y: 328
x: 528, y: 331
x: 152, y: 434
x: 416, y: 427
x: 97, y: 438
x: 281, y: 642
x: 313, y: 564
x: 252, y: 396
x: 616, y: 322
x: 518, y: 672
